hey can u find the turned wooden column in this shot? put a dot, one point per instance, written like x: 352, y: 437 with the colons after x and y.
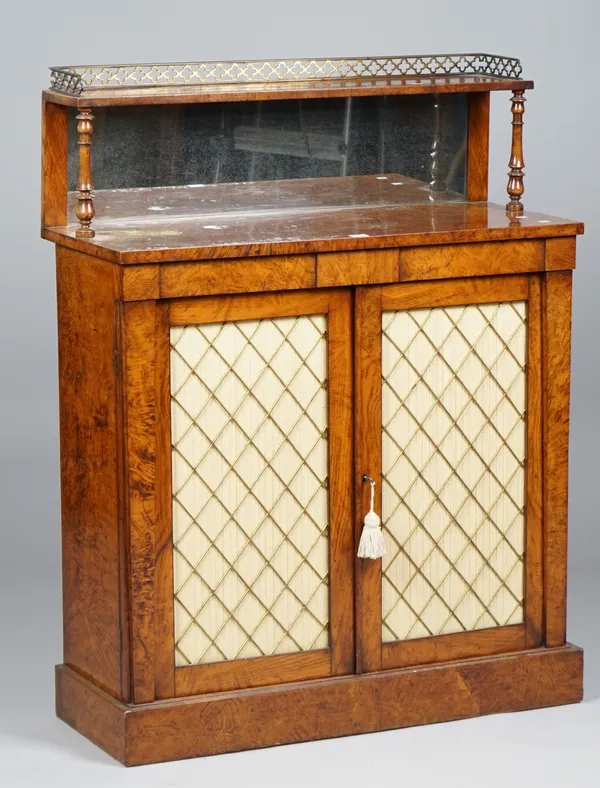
x: 85, y: 206
x: 515, y: 176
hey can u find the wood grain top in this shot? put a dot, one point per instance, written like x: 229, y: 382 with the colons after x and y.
x: 226, y: 203
x: 292, y: 217
x: 269, y: 91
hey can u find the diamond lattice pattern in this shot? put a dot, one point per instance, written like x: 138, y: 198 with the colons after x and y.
x: 250, y: 504
x: 453, y: 404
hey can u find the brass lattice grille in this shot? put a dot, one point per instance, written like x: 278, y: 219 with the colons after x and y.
x: 250, y: 504
x: 75, y: 79
x: 453, y: 404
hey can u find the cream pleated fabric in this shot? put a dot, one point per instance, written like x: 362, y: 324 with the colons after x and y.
x: 454, y: 437
x: 250, y: 506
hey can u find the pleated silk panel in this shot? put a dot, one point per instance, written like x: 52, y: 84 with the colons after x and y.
x: 250, y: 503
x: 454, y: 439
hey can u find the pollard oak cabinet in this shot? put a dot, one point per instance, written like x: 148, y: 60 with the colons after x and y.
x: 288, y: 294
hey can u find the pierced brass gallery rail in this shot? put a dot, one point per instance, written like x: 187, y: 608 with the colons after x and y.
x: 74, y: 80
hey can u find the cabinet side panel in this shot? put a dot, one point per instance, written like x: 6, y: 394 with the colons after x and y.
x: 88, y: 447
x: 54, y: 164
x: 139, y: 371
x: 556, y: 344
x: 478, y: 149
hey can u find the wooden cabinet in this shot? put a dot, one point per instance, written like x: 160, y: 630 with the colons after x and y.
x: 222, y: 401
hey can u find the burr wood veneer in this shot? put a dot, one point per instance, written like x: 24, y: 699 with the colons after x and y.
x: 235, y: 356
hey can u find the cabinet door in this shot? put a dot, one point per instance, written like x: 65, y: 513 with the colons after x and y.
x: 449, y: 425
x: 254, y: 490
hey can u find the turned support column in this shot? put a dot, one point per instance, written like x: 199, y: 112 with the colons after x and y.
x: 85, y: 203
x: 515, y: 176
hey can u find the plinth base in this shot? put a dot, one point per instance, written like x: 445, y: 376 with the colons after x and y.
x: 283, y: 714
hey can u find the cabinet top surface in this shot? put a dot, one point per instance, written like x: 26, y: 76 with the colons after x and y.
x: 290, y: 217
x: 165, y: 83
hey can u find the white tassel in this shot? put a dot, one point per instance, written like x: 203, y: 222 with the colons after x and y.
x: 371, y: 543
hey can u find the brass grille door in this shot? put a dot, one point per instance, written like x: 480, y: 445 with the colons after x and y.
x: 260, y: 408
x: 455, y: 438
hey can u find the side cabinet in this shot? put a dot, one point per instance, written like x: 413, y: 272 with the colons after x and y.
x: 213, y: 452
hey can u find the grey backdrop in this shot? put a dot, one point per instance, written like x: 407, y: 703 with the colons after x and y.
x: 557, y: 41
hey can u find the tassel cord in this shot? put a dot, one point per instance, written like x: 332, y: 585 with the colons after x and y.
x: 371, y: 543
